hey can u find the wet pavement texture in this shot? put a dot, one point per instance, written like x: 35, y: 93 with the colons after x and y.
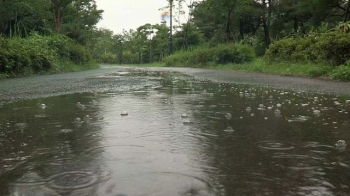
x: 95, y: 80
x: 152, y: 131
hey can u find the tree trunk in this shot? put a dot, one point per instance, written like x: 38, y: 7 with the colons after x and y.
x: 266, y: 22
x: 228, y: 24
x: 302, y: 27
x: 58, y: 16
x: 295, y: 26
x: 140, y: 60
x: 347, y: 12
x: 255, y: 28
x: 185, y: 43
x: 241, y: 26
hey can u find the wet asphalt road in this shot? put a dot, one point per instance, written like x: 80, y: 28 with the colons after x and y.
x: 95, y: 80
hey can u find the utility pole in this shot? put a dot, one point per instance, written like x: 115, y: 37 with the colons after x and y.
x: 171, y: 27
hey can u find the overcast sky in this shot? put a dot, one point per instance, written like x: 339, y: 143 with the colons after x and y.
x: 129, y: 14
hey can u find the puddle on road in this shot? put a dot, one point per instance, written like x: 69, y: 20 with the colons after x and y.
x: 168, y: 134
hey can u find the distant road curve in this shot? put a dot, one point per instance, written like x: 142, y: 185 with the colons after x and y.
x: 91, y: 80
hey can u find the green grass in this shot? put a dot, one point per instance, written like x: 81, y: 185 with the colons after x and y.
x: 260, y: 65
x: 290, y: 69
x: 341, y: 73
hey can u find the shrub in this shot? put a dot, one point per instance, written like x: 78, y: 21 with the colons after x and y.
x: 79, y: 54
x: 39, y: 54
x: 108, y: 58
x: 330, y: 48
x: 341, y: 72
x: 203, y: 56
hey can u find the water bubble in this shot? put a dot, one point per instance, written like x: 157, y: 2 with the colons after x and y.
x: 278, y: 105
x: 124, y: 113
x: 86, y: 119
x: 42, y: 106
x: 304, y: 104
x: 66, y: 130
x: 78, y: 122
x: 347, y: 101
x: 340, y: 143
x: 24, y: 144
x: 337, y: 103
x: 252, y: 114
x: 228, y: 116
x: 270, y: 107
x: 80, y: 106
x: 229, y: 129
x: 184, y: 115
x: 248, y: 109
x: 187, y: 122
x: 94, y: 102
x: 277, y: 112
x: 299, y: 119
x: 21, y: 126
x: 317, y: 112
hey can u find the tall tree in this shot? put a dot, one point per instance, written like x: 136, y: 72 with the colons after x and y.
x: 80, y: 18
x: 58, y: 9
x: 21, y: 17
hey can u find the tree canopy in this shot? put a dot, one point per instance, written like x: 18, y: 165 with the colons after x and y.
x: 196, y: 22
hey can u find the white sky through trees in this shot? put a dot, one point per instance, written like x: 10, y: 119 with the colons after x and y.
x: 129, y: 14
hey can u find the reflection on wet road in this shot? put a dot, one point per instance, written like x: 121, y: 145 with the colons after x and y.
x: 169, y: 134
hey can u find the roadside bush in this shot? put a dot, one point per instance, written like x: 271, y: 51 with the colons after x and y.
x: 25, y: 55
x: 341, y: 72
x: 128, y: 57
x: 79, y: 54
x: 108, y: 58
x: 36, y: 54
x: 331, y: 48
x: 68, y: 49
x: 234, y: 53
x: 203, y: 56
x: 60, y: 43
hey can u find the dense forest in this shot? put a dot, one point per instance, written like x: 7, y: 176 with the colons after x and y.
x: 313, y: 36
x: 40, y: 36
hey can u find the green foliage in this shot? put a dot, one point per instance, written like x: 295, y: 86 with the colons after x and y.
x: 330, y: 48
x: 203, y: 56
x: 108, y: 58
x: 22, y: 54
x: 291, y: 69
x: 341, y: 72
x: 19, y: 18
x: 36, y: 54
x: 79, y: 54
